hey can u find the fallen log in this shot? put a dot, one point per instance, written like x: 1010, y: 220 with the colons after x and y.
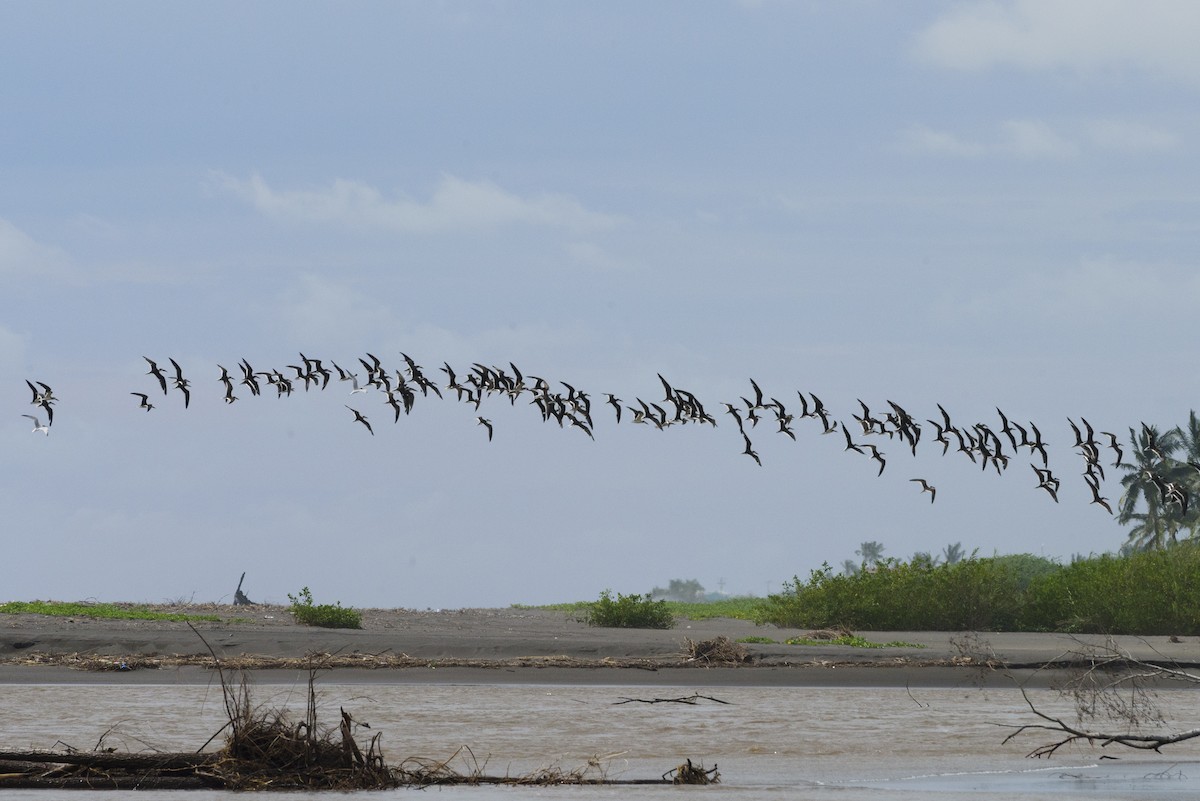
x: 23, y: 782
x: 105, y: 760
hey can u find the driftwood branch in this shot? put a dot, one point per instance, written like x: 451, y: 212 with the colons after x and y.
x: 239, y: 598
x: 1112, y: 689
x: 690, y: 699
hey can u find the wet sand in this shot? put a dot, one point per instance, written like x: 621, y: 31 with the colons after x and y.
x: 515, y: 646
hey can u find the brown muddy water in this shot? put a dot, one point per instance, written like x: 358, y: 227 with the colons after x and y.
x: 769, y: 743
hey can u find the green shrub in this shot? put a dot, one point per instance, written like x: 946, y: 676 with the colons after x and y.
x: 630, y: 612
x: 330, y: 616
x: 972, y: 594
x: 1146, y: 592
x: 738, y: 607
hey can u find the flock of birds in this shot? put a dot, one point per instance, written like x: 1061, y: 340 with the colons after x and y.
x: 986, y: 446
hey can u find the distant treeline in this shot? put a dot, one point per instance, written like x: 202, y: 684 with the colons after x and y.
x: 1144, y: 592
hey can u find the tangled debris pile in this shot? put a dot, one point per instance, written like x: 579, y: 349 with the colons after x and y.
x: 687, y: 773
x: 265, y: 749
x: 718, y: 651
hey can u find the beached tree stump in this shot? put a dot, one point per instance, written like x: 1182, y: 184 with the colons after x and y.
x: 239, y: 597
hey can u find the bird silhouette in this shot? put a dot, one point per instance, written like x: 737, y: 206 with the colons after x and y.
x: 927, y: 487
x: 358, y: 416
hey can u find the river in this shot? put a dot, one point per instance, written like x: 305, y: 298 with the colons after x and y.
x: 767, y: 742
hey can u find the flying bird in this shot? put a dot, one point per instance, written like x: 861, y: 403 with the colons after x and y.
x: 615, y: 402
x: 44, y: 399
x: 482, y: 421
x: 1095, y: 488
x: 1115, y: 446
x: 877, y: 456
x: 157, y: 372
x: 732, y: 411
x: 926, y: 487
x: 358, y: 416
x: 37, y: 425
x: 181, y: 383
x: 850, y: 446
x: 753, y: 454
x: 145, y: 404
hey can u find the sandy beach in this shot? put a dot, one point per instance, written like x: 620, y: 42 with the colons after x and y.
x: 516, y: 645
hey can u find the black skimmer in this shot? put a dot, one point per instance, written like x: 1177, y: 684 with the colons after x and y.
x: 358, y: 416
x: 926, y: 487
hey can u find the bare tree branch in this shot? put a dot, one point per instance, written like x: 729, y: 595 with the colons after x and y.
x: 1113, y: 687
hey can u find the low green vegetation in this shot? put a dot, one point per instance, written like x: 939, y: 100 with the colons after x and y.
x: 1146, y: 592
x: 739, y: 608
x: 329, y: 616
x: 630, y: 612
x: 687, y: 590
x: 114, y: 611
x: 852, y: 640
x: 736, y: 607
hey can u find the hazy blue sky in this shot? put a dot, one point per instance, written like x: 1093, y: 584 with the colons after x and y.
x: 977, y: 204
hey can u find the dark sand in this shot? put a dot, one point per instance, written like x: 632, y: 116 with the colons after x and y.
x: 520, y: 646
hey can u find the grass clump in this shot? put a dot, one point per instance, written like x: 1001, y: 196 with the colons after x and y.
x: 852, y: 640
x: 737, y: 608
x: 110, y: 611
x: 329, y: 616
x: 630, y: 612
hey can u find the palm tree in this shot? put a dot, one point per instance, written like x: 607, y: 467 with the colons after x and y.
x: 952, y: 553
x: 871, y: 552
x: 1188, y: 474
x: 1153, y: 530
x: 923, y: 559
x: 1158, y: 526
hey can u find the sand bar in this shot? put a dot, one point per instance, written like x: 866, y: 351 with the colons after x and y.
x: 520, y: 646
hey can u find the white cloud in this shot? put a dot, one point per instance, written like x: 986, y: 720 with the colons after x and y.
x: 591, y: 256
x: 1092, y: 292
x: 12, y: 351
x: 1025, y: 139
x: 1130, y: 137
x: 21, y: 255
x: 455, y: 205
x: 927, y: 140
x: 1084, y: 36
x: 317, y: 309
x: 1033, y: 139
x: 1111, y: 285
